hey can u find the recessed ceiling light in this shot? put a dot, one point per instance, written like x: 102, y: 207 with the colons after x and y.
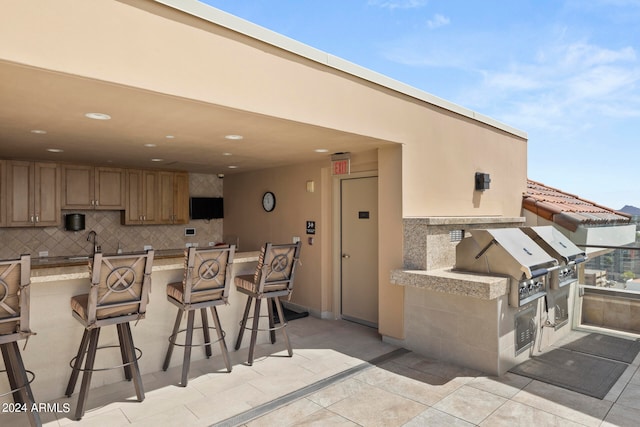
x: 233, y: 167
x: 321, y: 150
x: 150, y: 145
x: 234, y: 137
x: 98, y: 116
x: 39, y: 131
x: 170, y: 137
x: 226, y: 154
x: 55, y: 150
x: 157, y: 160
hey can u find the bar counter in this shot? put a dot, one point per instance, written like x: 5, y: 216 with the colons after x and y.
x: 55, y: 280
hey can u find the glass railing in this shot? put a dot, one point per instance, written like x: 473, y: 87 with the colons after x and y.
x: 609, y: 294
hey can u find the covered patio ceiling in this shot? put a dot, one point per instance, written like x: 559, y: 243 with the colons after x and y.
x: 184, y: 134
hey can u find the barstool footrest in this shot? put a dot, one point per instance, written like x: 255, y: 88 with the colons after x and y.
x: 275, y: 328
x: 223, y: 333
x: 33, y: 377
x: 122, y: 365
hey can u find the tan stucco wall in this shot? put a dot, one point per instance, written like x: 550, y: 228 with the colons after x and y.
x: 143, y: 44
x: 245, y: 218
x: 152, y: 45
x: 390, y: 232
x: 315, y: 278
x: 440, y: 163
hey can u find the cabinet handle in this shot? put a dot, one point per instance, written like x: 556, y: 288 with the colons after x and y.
x: 32, y: 219
x: 37, y: 218
x: 92, y: 202
x: 97, y: 202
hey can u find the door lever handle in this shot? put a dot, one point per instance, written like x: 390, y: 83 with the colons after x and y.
x: 346, y: 256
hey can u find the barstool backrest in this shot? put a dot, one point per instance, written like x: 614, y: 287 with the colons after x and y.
x: 207, y: 273
x: 276, y: 267
x: 120, y: 286
x: 15, y: 277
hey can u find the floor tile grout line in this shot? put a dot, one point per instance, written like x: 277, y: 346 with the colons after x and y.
x: 267, y: 407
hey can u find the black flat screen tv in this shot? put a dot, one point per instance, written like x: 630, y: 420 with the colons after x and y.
x: 206, y: 207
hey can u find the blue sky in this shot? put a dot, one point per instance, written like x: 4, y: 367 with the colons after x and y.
x: 567, y: 72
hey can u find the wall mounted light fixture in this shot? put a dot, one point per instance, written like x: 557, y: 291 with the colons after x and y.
x: 482, y: 181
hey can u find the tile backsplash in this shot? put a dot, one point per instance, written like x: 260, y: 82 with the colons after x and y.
x: 57, y: 241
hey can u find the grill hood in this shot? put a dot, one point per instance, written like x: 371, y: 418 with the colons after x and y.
x: 556, y: 244
x: 505, y: 251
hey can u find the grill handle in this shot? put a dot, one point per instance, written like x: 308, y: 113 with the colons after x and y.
x: 539, y: 272
x: 486, y: 248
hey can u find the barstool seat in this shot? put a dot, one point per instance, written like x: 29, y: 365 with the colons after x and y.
x: 207, y: 275
x: 118, y: 294
x: 272, y: 279
x: 15, y: 278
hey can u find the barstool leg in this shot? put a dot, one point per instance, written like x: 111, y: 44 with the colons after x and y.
x: 272, y: 331
x: 172, y: 340
x: 131, y: 353
x: 127, y: 367
x: 6, y: 356
x: 254, y: 330
x: 16, y: 366
x: 205, y: 332
x: 223, y: 344
x: 187, y: 349
x: 283, y: 325
x: 88, y: 371
x: 75, y: 371
x: 243, y: 323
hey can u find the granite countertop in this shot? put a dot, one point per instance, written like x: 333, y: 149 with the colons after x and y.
x: 453, y: 282
x: 66, y: 261
x: 55, y: 269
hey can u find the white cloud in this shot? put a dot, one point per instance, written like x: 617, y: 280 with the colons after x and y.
x: 562, y: 88
x: 398, y: 4
x: 438, y: 21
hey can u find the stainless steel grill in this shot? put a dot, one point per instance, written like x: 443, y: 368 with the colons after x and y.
x: 510, y: 252
x: 562, y: 249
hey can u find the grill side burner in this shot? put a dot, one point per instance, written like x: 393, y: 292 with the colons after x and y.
x: 510, y: 252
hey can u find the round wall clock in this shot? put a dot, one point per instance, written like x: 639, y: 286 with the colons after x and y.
x: 268, y: 201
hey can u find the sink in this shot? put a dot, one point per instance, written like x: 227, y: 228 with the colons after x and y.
x: 77, y: 258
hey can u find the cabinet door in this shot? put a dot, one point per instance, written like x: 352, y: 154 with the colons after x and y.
x: 174, y: 197
x: 133, y: 210
x: 166, y: 181
x: 19, y: 194
x: 46, y: 194
x: 151, y: 197
x: 109, y: 188
x: 77, y: 187
x: 181, y: 198
x: 33, y: 194
x: 141, y: 205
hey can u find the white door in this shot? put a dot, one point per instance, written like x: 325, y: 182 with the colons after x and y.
x: 359, y: 246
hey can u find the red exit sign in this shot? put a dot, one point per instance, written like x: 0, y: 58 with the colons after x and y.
x: 340, y: 167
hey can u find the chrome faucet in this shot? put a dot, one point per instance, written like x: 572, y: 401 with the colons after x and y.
x: 93, y: 237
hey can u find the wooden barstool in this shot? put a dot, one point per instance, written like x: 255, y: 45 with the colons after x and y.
x: 119, y: 294
x: 15, y: 277
x: 205, y: 285
x: 273, y: 279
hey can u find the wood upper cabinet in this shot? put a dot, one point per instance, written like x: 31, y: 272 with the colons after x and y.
x: 174, y: 197
x: 142, y: 197
x: 32, y: 194
x: 88, y: 187
x: 156, y: 197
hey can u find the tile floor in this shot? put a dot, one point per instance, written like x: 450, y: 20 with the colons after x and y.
x: 329, y: 382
